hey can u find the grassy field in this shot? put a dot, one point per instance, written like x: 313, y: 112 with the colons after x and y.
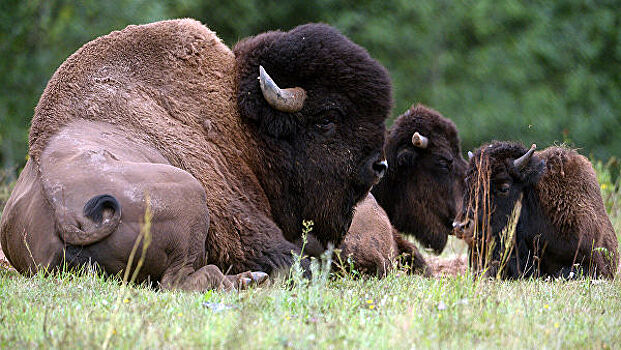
x: 77, y: 310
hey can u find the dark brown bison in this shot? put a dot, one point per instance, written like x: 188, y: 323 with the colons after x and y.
x: 535, y: 214
x: 422, y: 188
x: 419, y: 169
x: 165, y: 117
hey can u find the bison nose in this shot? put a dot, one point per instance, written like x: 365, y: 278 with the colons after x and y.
x: 459, y: 227
x: 456, y: 227
x: 379, y: 168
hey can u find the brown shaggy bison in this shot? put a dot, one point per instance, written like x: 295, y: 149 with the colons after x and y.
x: 535, y: 214
x: 422, y: 188
x: 165, y: 119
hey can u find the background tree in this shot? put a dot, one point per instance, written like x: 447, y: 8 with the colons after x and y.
x: 542, y: 72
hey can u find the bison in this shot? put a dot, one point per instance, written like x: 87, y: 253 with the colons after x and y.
x: 528, y: 213
x: 422, y: 188
x: 165, y: 120
x: 372, y: 246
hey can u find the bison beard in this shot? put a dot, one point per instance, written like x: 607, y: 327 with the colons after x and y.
x: 552, y: 200
x: 166, y: 116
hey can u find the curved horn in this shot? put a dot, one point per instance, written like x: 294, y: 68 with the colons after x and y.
x: 521, y: 162
x: 419, y: 140
x: 470, y: 155
x: 285, y: 100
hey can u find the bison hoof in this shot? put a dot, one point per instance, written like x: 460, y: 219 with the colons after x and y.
x: 248, y: 279
x: 259, y: 277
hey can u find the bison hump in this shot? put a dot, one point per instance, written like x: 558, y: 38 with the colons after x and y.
x: 151, y: 78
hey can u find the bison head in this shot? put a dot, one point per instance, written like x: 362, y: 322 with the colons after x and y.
x: 497, y: 196
x: 315, y: 104
x: 423, y: 185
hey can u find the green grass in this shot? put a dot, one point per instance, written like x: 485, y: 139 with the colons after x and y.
x: 77, y: 310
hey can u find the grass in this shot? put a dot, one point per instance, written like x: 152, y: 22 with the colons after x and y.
x: 78, y: 310
x: 74, y: 310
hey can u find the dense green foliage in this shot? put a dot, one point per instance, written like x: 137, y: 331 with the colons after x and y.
x: 541, y: 72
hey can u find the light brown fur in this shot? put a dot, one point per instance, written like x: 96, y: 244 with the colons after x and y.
x: 169, y: 88
x: 170, y: 85
x: 373, y: 246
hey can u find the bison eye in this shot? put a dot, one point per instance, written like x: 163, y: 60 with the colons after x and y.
x: 405, y: 156
x: 504, y: 188
x: 444, y: 164
x: 325, y: 126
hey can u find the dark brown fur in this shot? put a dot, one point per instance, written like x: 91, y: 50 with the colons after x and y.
x: 562, y: 221
x: 422, y: 188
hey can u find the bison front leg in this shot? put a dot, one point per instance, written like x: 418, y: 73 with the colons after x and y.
x: 210, y: 277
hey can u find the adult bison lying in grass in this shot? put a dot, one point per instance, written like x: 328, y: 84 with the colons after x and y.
x: 164, y: 116
x: 533, y: 214
x: 422, y: 188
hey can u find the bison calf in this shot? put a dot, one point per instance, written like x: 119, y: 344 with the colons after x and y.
x: 372, y: 246
x: 535, y: 214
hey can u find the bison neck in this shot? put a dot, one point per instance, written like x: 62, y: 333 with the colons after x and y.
x: 414, y: 210
x: 531, y: 238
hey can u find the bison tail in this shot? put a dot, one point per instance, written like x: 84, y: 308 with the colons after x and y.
x: 409, y: 255
x: 102, y: 215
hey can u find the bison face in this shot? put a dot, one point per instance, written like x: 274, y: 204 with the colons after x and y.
x: 317, y: 116
x: 496, y: 198
x: 423, y: 186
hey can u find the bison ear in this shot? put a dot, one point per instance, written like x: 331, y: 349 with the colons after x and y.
x: 535, y: 169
